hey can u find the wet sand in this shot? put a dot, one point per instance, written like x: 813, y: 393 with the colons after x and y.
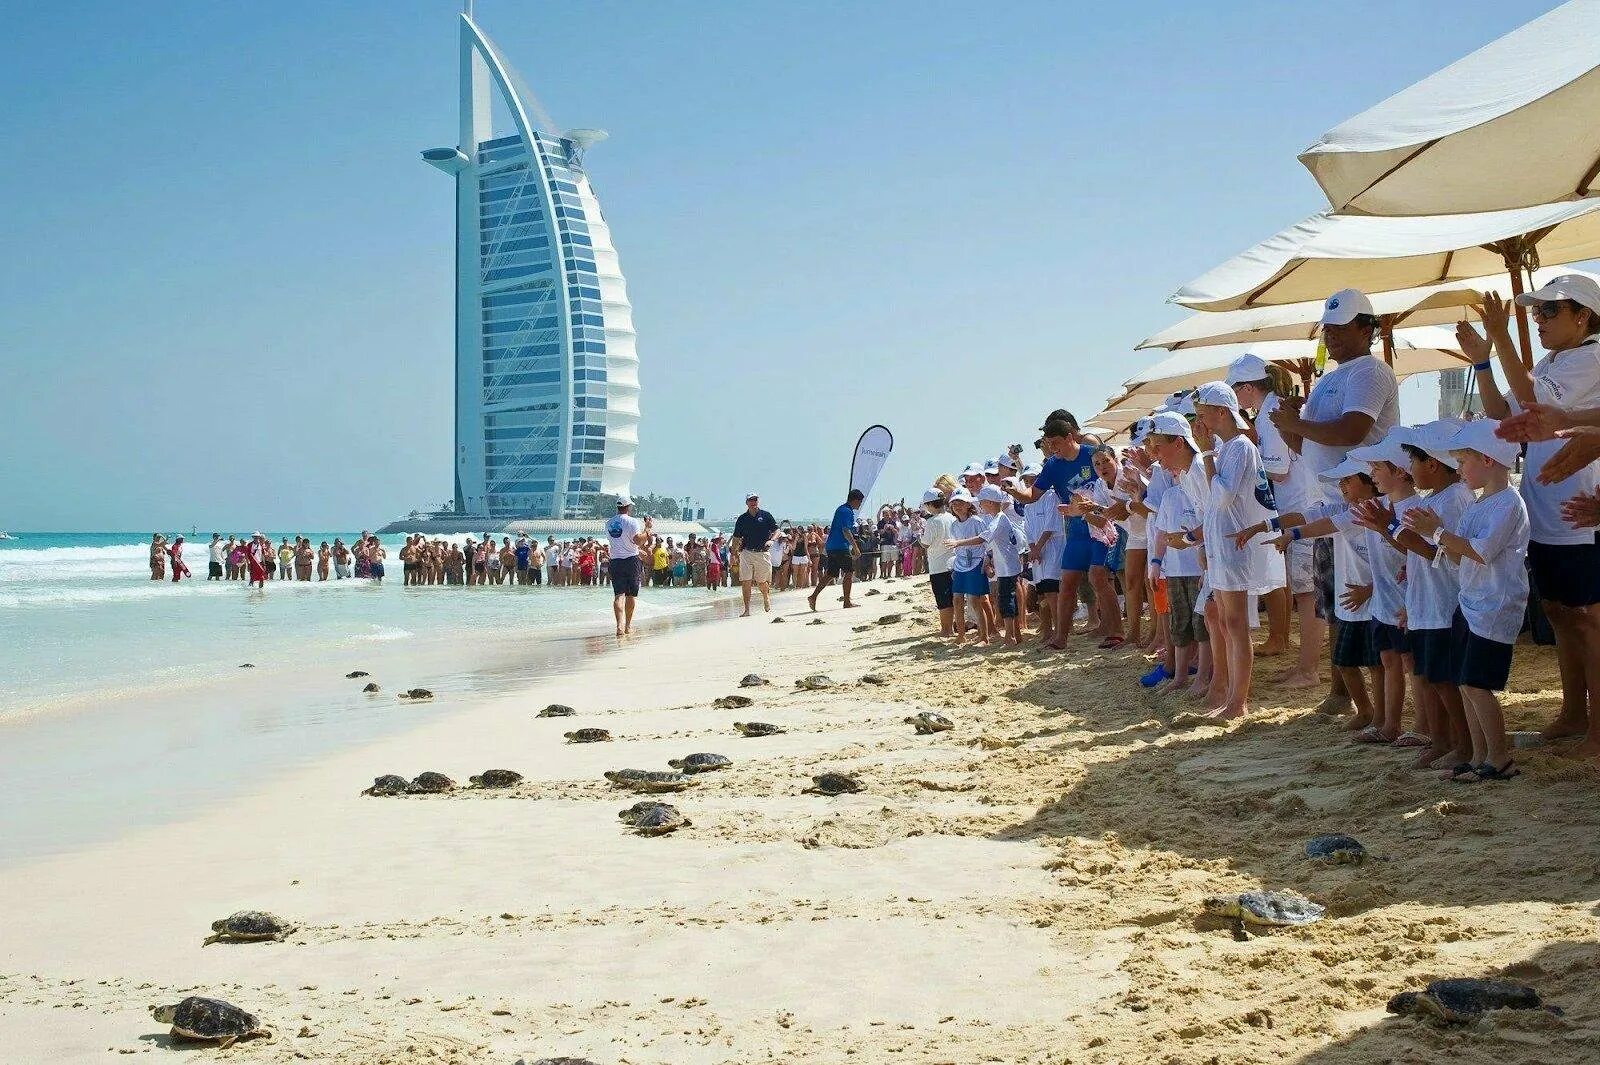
x: 1024, y: 888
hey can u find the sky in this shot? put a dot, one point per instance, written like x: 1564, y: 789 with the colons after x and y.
x: 225, y: 273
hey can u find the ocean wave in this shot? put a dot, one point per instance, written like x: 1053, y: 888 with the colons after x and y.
x: 384, y: 633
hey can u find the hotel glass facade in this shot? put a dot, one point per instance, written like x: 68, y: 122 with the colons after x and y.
x: 547, y: 404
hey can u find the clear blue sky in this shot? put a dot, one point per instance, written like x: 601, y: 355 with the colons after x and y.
x: 225, y: 288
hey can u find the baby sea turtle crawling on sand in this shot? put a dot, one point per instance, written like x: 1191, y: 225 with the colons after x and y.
x: 388, y: 784
x: 430, y: 783
x: 248, y: 926
x: 891, y: 619
x: 929, y: 722
x: 416, y: 694
x: 356, y: 673
x: 757, y: 728
x: 1336, y: 849
x: 874, y: 678
x: 649, y: 780
x: 210, y: 1019
x: 731, y: 702
x: 588, y: 735
x: 1263, y: 909
x: 562, y: 1061
x: 496, y: 778
x: 873, y: 591
x: 371, y: 689
x: 833, y: 784
x: 753, y: 680
x: 557, y: 710
x: 653, y: 818
x: 700, y: 763
x: 1462, y: 1000
x: 815, y: 682
x: 777, y: 621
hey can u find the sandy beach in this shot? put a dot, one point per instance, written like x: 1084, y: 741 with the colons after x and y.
x: 1024, y: 888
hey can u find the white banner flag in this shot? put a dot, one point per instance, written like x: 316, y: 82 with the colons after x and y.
x: 872, y: 451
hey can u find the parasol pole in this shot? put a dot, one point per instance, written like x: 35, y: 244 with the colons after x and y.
x: 1522, y: 315
x: 1386, y: 330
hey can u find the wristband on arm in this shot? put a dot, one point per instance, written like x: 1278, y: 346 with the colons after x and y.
x: 1273, y: 525
x: 1483, y: 367
x: 1294, y: 534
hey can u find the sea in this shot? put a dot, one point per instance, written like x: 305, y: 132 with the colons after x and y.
x: 124, y: 700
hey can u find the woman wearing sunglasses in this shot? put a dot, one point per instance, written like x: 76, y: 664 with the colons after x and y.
x: 1564, y: 560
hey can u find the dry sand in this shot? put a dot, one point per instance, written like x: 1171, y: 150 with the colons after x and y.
x: 1022, y: 889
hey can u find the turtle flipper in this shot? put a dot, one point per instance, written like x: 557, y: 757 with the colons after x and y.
x: 227, y: 1041
x: 1239, y: 931
x: 215, y: 937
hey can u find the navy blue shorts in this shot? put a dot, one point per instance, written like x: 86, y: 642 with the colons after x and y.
x: 1390, y: 638
x: 1007, y: 596
x: 942, y: 597
x: 1433, y: 653
x: 1353, y: 645
x: 1481, y: 662
x: 1568, y: 574
x: 1078, y: 555
x: 625, y: 576
x: 969, y: 582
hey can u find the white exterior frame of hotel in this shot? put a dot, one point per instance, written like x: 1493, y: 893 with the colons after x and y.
x: 542, y: 427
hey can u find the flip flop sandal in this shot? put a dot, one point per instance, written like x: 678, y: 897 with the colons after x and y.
x: 1489, y: 772
x: 1111, y: 643
x: 1465, y: 773
x: 1370, y: 734
x: 1411, y: 739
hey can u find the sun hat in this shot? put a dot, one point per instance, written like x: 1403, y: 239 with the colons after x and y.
x: 1436, y: 438
x: 1389, y: 449
x: 1478, y: 435
x: 1347, y: 468
x: 1343, y: 306
x: 1171, y: 423
x: 1581, y: 290
x: 1246, y: 368
x: 992, y: 493
x: 1220, y: 394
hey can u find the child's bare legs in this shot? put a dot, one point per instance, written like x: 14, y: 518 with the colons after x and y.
x: 1483, y: 707
x: 1047, y: 613
x: 1234, y: 609
x: 1392, y: 705
x: 987, y: 625
x: 1181, y: 657
x: 1453, y: 724
x: 1202, y: 677
x: 1356, y: 685
x: 960, y: 626
x: 1277, y: 604
x: 1105, y: 599
x: 1133, y: 570
x: 1431, y: 723
x: 1313, y: 637
x: 1066, y: 607
x: 1216, y: 697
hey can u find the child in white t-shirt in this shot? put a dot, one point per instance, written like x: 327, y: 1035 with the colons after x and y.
x: 1004, y: 544
x: 968, y: 583
x: 1489, y: 545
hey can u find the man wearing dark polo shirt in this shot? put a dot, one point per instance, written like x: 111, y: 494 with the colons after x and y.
x: 842, y: 549
x: 751, y: 535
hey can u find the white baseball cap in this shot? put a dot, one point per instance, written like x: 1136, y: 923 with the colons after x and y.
x: 1436, y: 438
x: 932, y: 494
x: 1350, y: 467
x: 1342, y: 307
x: 990, y: 467
x: 1246, y: 368
x: 1220, y: 394
x: 1389, y: 449
x: 624, y: 501
x: 1011, y: 482
x: 1581, y: 290
x: 974, y: 469
x: 992, y: 493
x: 1006, y: 462
x: 1032, y: 469
x: 961, y: 495
x: 1171, y: 423
x: 1141, y: 429
x: 1478, y: 435
x: 1183, y: 405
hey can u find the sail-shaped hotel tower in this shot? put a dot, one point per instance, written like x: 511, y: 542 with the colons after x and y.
x: 547, y: 380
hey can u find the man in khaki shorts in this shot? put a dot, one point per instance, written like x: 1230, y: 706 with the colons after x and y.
x: 752, y: 534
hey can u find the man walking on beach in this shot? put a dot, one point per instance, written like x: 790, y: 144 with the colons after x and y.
x: 841, y: 549
x: 219, y: 553
x: 751, y: 535
x: 627, y: 535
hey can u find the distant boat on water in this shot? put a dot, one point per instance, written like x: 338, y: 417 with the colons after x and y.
x: 6, y: 536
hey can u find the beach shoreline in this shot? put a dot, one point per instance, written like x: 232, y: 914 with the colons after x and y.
x: 1024, y: 888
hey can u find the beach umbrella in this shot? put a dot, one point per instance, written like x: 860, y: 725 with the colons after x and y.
x: 1439, y: 305
x: 1426, y: 349
x: 1510, y: 125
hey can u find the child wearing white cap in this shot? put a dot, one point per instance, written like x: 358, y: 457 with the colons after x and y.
x: 935, y: 531
x: 1044, y: 528
x: 1240, y: 496
x: 1004, y: 543
x: 968, y: 583
x: 1489, y: 544
x: 1174, y: 559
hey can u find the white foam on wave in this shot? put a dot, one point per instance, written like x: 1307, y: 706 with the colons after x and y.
x: 385, y: 633
x: 80, y: 596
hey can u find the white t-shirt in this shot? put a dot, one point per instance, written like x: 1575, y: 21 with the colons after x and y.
x: 1352, y: 562
x: 1039, y: 517
x: 935, y: 531
x: 1433, y: 589
x: 1299, y: 487
x: 1238, y: 495
x: 219, y: 551
x: 970, y: 556
x: 1005, y: 546
x: 1160, y: 481
x: 1363, y: 384
x: 1571, y: 380
x: 621, y: 529
x: 775, y: 550
x: 1494, y: 593
x: 1388, y: 594
x: 1175, y: 514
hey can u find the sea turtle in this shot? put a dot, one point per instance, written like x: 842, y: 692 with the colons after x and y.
x: 430, y: 783
x: 248, y: 926
x: 1336, y: 849
x: 371, y: 688
x: 1464, y: 999
x: 731, y: 702
x: 873, y: 591
x: 929, y: 722
x: 637, y: 810
x: 388, y: 784
x: 815, y: 682
x: 1262, y: 909
x: 649, y: 780
x: 416, y: 694
x: 874, y: 678
x: 833, y: 784
x: 657, y: 820
x: 247, y: 665
x: 557, y: 710
x: 355, y: 673
x: 496, y: 778
x: 757, y: 728
x: 817, y: 621
x: 562, y: 1061
x: 753, y: 680
x: 891, y: 619
x: 588, y: 735
x: 210, y: 1019
x: 777, y: 621
x: 700, y: 763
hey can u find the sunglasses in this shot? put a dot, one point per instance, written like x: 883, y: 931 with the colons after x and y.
x: 1547, y: 310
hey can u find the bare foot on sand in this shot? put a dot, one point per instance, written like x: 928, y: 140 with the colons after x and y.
x: 1270, y: 649
x: 1226, y: 713
x: 1565, y: 727
x: 1296, y: 679
x: 1334, y: 704
x: 1357, y: 723
x: 1586, y: 749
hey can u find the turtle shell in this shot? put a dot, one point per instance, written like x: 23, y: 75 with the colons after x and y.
x: 753, y: 680
x: 557, y: 710
x: 928, y: 722
x: 251, y: 924
x: 430, y: 783
x: 197, y: 1017
x: 496, y: 778
x: 757, y: 728
x: 701, y: 763
x: 356, y: 674
x: 415, y: 694
x: 731, y: 702
x: 834, y: 784
x: 1277, y: 908
x: 658, y: 820
x: 648, y: 780
x: 388, y: 784
x: 815, y: 682
x: 588, y: 735
x: 638, y: 810
x: 1462, y: 999
x: 1336, y: 848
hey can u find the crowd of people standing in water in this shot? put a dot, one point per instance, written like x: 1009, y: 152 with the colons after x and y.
x: 1406, y: 553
